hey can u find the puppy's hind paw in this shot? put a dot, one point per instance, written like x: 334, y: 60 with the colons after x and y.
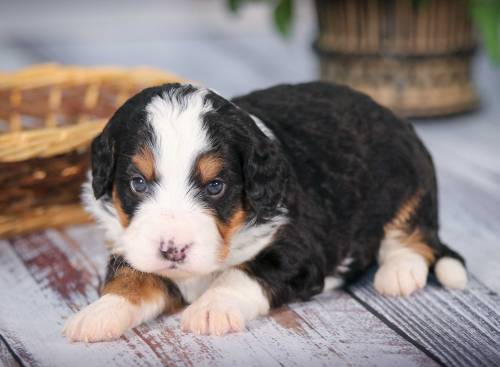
x: 401, y: 277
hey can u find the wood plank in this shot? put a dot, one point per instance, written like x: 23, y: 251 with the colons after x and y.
x: 469, y: 193
x: 375, y: 343
x: 40, y: 289
x: 6, y: 357
x: 45, y: 277
x: 469, y: 223
x: 460, y: 328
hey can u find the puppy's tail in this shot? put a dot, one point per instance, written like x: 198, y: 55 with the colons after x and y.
x: 450, y: 269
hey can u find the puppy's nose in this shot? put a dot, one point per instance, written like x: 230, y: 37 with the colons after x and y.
x: 172, y: 251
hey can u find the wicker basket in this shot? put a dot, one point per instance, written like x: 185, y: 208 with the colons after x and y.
x: 48, y: 116
x: 415, y: 60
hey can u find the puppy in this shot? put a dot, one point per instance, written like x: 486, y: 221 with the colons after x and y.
x: 236, y: 207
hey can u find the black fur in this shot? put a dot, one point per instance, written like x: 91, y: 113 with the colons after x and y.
x: 351, y: 165
x: 253, y: 161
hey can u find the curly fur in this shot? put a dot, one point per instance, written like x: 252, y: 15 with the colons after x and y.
x: 320, y: 176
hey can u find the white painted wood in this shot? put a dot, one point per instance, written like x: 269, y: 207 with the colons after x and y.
x: 469, y: 193
x: 44, y: 277
x: 337, y: 317
x: 460, y: 328
x: 33, y: 312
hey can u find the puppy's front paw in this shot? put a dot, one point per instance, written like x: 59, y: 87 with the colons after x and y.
x: 212, y: 314
x: 401, y: 277
x: 105, y: 319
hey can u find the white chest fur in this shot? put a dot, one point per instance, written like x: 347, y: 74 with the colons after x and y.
x: 248, y: 242
x: 192, y: 288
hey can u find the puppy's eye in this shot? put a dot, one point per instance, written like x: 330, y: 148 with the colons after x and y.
x: 215, y: 188
x: 138, y: 184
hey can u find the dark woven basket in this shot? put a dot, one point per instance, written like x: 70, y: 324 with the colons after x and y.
x: 414, y: 60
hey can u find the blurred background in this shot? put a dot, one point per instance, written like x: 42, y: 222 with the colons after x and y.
x: 201, y: 40
x: 430, y: 44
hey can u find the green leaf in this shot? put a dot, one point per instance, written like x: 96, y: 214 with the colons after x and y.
x: 234, y: 5
x: 486, y: 14
x: 283, y: 14
x: 417, y: 3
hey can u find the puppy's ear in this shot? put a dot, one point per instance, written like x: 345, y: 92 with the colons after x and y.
x: 265, y: 172
x: 103, y: 162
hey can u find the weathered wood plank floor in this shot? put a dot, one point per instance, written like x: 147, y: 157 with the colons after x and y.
x: 47, y: 276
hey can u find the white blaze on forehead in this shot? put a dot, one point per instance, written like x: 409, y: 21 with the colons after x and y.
x: 172, y: 212
x: 179, y: 138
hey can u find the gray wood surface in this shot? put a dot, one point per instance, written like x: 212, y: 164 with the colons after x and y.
x: 46, y: 277
x: 6, y: 357
x: 468, y: 167
x: 460, y: 328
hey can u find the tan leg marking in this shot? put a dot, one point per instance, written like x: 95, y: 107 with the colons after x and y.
x: 128, y: 300
x: 139, y: 287
x: 404, y: 256
x: 399, y: 229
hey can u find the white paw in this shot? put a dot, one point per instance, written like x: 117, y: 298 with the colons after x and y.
x: 105, y: 319
x: 451, y: 273
x: 212, y: 314
x: 401, y: 277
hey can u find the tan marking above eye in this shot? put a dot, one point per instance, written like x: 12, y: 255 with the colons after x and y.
x: 145, y: 163
x: 208, y: 167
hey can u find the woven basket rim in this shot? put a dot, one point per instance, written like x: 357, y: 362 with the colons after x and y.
x: 48, y: 74
x: 47, y: 141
